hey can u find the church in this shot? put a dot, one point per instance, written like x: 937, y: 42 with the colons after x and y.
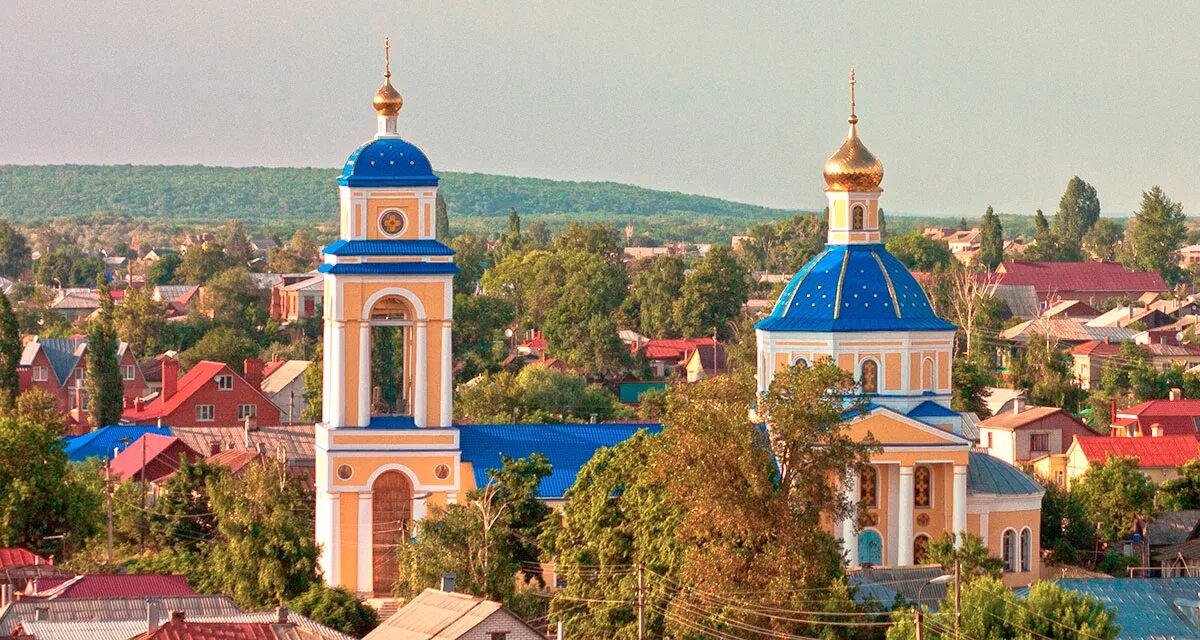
x: 382, y: 462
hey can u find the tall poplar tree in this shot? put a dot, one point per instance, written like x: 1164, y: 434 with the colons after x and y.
x: 1155, y: 233
x: 1078, y: 210
x: 10, y: 349
x: 991, y: 242
x: 105, y: 390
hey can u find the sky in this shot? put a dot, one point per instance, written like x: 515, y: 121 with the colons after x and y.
x: 967, y: 104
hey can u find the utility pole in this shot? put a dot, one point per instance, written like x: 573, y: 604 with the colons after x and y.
x: 109, y: 491
x: 957, y: 594
x: 144, y: 522
x: 641, y: 600
x: 920, y: 622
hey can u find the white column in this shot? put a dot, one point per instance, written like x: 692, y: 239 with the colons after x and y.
x: 959, y: 517
x: 904, y: 528
x: 421, y: 370
x: 326, y: 378
x: 446, y: 414
x: 364, y: 373
x: 366, y: 542
x: 849, y: 526
x: 337, y: 367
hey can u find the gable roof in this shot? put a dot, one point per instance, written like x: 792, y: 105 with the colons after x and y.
x: 1176, y: 417
x: 189, y: 384
x: 712, y: 358
x: 1097, y: 348
x: 986, y: 474
x: 1067, y: 330
x: 1160, y: 451
x: 234, y: 459
x: 17, y: 557
x: 149, y: 448
x: 100, y: 609
x: 125, y: 629
x: 567, y: 446
x: 1010, y: 421
x: 101, y: 442
x: 62, y: 353
x: 1079, y: 276
x: 440, y: 615
x: 1144, y: 609
x: 296, y: 441
x: 931, y: 409
x: 1071, y: 309
x: 1173, y: 527
x: 119, y: 585
x: 284, y: 374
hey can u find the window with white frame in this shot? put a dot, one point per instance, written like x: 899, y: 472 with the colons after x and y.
x: 225, y: 382
x: 127, y: 372
x: 39, y: 374
x: 247, y: 411
x: 1026, y: 549
x: 205, y: 412
x: 1008, y: 550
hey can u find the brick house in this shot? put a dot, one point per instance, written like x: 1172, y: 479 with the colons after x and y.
x: 1024, y: 434
x: 1173, y: 416
x: 210, y: 394
x: 58, y: 367
x: 297, y: 297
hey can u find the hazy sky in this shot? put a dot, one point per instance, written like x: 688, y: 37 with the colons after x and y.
x: 1000, y: 103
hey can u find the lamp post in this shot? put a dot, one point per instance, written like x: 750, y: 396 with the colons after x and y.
x: 943, y: 579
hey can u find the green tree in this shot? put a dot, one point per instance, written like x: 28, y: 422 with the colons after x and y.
x: 1182, y: 492
x: 1044, y: 371
x: 142, y: 323
x: 202, y: 262
x: 297, y: 255
x: 1113, y: 494
x: 164, y: 270
x: 1078, y: 210
x: 221, y: 344
x: 441, y: 219
x: 229, y: 298
x: 266, y: 553
x: 314, y: 394
x: 10, y: 349
x: 536, y: 394
x: 991, y: 240
x: 653, y: 285
x: 1065, y: 526
x: 972, y: 379
x: 336, y: 608
x: 103, y: 383
x: 236, y: 243
x: 478, y: 338
x: 472, y: 258
x: 919, y: 252
x: 14, y: 251
x: 1103, y: 240
x: 1155, y: 234
x: 974, y: 559
x: 712, y: 295
x: 1045, y: 246
x: 182, y: 516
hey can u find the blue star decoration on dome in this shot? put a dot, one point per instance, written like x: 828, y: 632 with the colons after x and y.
x: 388, y: 162
x: 853, y: 288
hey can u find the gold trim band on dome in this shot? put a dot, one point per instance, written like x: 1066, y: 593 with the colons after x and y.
x: 837, y: 302
x: 815, y: 261
x: 888, y: 279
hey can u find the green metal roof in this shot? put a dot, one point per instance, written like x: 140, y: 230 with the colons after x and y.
x: 986, y: 474
x: 1146, y: 608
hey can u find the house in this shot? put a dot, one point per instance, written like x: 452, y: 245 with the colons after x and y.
x: 236, y: 461
x: 446, y: 615
x: 151, y: 458
x: 1021, y: 300
x: 180, y: 299
x: 108, y: 585
x: 1144, y: 609
x: 263, y: 244
x: 639, y: 253
x: 706, y: 361
x: 283, y: 384
x: 1088, y: 360
x: 1189, y: 255
x: 209, y: 394
x: 19, y: 566
x: 1173, y: 416
x: 1091, y: 282
x: 152, y: 371
x: 106, y: 442
x: 1065, y: 331
x: 1023, y: 434
x: 157, y: 253
x: 1177, y: 307
x: 667, y: 355
x: 295, y: 299
x: 1157, y: 457
x: 58, y: 366
x: 179, y: 628
x: 294, y: 444
x: 1071, y: 309
x: 75, y: 303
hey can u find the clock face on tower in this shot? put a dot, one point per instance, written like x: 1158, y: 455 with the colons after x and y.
x: 391, y: 222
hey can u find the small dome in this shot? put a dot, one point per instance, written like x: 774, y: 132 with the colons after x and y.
x: 858, y: 287
x: 387, y: 100
x: 853, y: 167
x: 388, y: 162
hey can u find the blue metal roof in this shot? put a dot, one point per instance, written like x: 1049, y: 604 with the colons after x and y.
x: 392, y: 422
x: 390, y: 268
x: 101, y: 442
x: 568, y: 447
x: 853, y: 288
x: 387, y: 162
x: 931, y: 409
x: 388, y: 248
x: 986, y: 474
x: 1145, y: 608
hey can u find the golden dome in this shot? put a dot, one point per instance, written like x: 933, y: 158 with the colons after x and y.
x: 853, y: 167
x: 387, y: 100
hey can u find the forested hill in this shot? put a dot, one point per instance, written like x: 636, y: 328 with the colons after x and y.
x: 30, y: 194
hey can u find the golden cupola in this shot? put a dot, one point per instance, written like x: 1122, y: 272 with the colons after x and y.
x: 387, y: 100
x: 853, y: 167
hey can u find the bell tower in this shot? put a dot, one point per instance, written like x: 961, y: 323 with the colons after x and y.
x: 385, y: 448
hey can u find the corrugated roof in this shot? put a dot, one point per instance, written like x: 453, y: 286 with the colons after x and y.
x: 17, y: 557
x: 1145, y: 609
x: 568, y: 447
x: 283, y: 375
x: 986, y: 474
x: 1079, y: 276
x: 101, y: 442
x: 387, y: 248
x: 931, y: 409
x: 391, y: 268
x: 147, y: 449
x: 1172, y: 527
x: 125, y: 629
x: 119, y: 585
x: 1010, y: 421
x: 297, y: 442
x: 1096, y: 348
x: 100, y: 609
x: 1150, y: 451
x: 439, y: 615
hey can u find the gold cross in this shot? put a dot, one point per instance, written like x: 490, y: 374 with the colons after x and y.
x: 852, y: 91
x: 387, y: 57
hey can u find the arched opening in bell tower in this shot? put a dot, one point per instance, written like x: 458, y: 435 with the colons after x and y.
x: 393, y: 353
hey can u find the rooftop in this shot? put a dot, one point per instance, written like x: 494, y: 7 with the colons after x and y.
x: 1079, y: 276
x: 437, y: 615
x: 1150, y: 451
x: 118, y: 585
x: 986, y: 474
x: 1145, y: 609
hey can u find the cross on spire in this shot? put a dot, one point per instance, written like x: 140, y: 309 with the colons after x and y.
x: 387, y: 58
x: 853, y: 117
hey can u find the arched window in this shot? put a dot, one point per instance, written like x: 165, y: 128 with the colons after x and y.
x: 800, y: 362
x: 1026, y: 549
x: 869, y: 378
x: 870, y: 547
x: 927, y: 375
x: 868, y: 487
x: 920, y: 548
x: 1008, y: 550
x: 922, y: 487
x: 857, y: 215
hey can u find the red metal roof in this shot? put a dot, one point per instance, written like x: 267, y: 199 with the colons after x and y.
x: 16, y: 557
x: 1078, y: 276
x: 1162, y: 451
x: 1096, y: 348
x: 149, y: 447
x: 184, y: 630
x: 118, y: 585
x: 671, y: 348
x: 189, y: 384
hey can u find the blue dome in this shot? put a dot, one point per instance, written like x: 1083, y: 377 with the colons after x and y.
x: 387, y: 162
x: 853, y: 288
